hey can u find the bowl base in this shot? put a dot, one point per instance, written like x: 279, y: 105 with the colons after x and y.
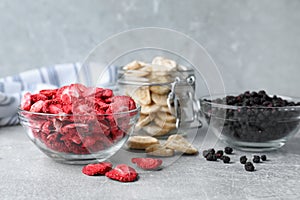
x: 256, y: 147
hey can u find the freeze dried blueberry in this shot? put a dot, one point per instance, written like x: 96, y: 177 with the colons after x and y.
x: 249, y: 167
x: 243, y: 159
x: 205, y: 153
x: 219, y: 153
x: 226, y: 159
x: 256, y: 159
x: 211, y: 157
x: 212, y: 150
x: 228, y: 150
x: 263, y: 157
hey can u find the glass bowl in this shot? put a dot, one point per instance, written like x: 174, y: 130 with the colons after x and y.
x: 251, y: 128
x: 79, y: 139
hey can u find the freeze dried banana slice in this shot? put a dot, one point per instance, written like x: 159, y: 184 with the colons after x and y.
x: 134, y: 65
x: 164, y: 124
x: 157, y: 89
x: 164, y: 116
x: 142, y: 95
x: 165, y: 109
x: 179, y: 143
x: 154, y: 78
x: 155, y: 130
x: 147, y: 109
x: 168, y: 64
x: 143, y: 121
x: 159, y: 99
x: 159, y: 150
x: 141, y: 142
x: 136, y: 73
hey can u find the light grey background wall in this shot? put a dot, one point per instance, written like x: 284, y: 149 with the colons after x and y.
x: 256, y: 44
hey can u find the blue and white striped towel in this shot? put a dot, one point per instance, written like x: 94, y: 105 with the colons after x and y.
x: 13, y: 87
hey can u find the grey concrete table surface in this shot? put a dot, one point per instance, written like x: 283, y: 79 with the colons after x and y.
x: 26, y: 173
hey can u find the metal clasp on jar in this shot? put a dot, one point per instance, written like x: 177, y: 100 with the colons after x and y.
x: 176, y: 103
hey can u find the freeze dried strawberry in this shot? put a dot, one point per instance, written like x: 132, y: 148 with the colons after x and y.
x: 64, y: 95
x: 117, y: 135
x: 88, y: 141
x: 75, y: 126
x: 107, y: 93
x: 97, y: 169
x: 108, y: 100
x: 55, y: 109
x: 122, y: 173
x: 48, y: 127
x: 52, y: 107
x: 71, y: 137
x: 38, y: 97
x: 49, y: 93
x: 78, y: 88
x: 101, y: 127
x: 80, y: 109
x: 37, y: 106
x: 100, y: 105
x: 98, y: 146
x: 147, y: 163
x: 67, y: 108
x: 122, y: 104
x: 26, y: 101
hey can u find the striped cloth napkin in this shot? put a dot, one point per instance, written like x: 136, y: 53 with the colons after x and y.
x: 13, y: 87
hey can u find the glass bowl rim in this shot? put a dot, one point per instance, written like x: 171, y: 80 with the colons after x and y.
x: 204, y: 99
x: 137, y: 109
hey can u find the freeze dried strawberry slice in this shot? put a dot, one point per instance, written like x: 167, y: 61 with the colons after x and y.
x: 147, y: 163
x: 52, y: 106
x: 122, y: 173
x: 69, y: 93
x: 49, y: 93
x: 26, y: 101
x: 107, y: 93
x: 97, y: 169
x: 37, y: 106
x: 38, y: 97
x: 122, y: 104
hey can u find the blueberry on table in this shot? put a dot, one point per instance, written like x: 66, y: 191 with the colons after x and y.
x: 226, y: 159
x: 243, y: 159
x: 212, y: 150
x: 219, y: 153
x: 211, y: 157
x: 263, y: 157
x: 249, y: 167
x: 256, y: 159
x: 205, y: 153
x: 228, y: 150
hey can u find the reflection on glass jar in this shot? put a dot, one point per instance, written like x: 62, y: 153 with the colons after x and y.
x: 166, y: 93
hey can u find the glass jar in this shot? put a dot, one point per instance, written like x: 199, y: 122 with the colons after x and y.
x: 166, y: 93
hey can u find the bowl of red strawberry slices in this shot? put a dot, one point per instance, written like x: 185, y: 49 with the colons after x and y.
x: 76, y: 124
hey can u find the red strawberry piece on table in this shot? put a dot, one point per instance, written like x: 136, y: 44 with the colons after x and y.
x: 147, y: 163
x: 97, y: 169
x: 122, y: 173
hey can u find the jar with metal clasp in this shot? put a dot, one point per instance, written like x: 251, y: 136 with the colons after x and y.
x: 166, y: 92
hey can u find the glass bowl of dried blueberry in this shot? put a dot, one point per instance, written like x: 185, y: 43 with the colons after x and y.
x: 252, y: 121
x: 76, y: 124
